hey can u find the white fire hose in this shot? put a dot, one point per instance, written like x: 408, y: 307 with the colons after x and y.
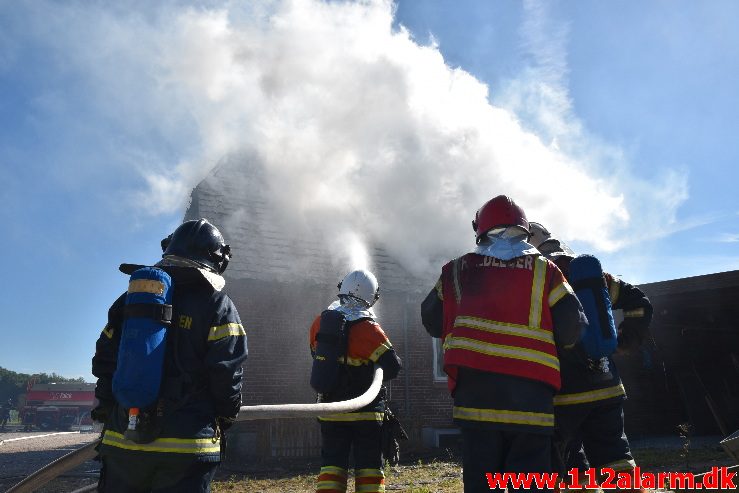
x: 273, y: 411
x: 246, y: 413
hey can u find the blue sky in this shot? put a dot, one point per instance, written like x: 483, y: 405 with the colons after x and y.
x: 111, y: 114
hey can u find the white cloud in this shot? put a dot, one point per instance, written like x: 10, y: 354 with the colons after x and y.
x: 354, y: 121
x: 539, y: 96
x: 729, y: 238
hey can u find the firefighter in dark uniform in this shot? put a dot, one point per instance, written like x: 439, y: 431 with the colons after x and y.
x: 589, y: 407
x: 200, y: 392
x: 503, y: 312
x: 367, y: 345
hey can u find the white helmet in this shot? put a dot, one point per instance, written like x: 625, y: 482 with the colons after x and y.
x: 554, y: 248
x: 547, y: 244
x: 360, y: 284
x: 539, y: 234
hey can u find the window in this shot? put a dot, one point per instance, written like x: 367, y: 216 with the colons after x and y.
x: 439, y: 375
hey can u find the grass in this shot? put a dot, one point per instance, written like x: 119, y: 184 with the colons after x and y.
x: 433, y: 477
x: 445, y: 476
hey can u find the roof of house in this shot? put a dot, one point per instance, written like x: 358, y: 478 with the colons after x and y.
x: 235, y: 198
x: 720, y: 280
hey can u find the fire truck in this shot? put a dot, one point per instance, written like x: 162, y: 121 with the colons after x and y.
x: 58, y: 406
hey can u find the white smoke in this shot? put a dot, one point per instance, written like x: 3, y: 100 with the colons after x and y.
x: 355, y: 123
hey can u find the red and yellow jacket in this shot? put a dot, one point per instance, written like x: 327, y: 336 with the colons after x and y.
x: 497, y: 316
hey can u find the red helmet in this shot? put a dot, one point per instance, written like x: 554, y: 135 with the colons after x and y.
x: 499, y: 212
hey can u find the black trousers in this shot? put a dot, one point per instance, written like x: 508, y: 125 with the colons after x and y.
x: 490, y: 451
x: 593, y: 435
x: 121, y: 474
x: 338, y: 440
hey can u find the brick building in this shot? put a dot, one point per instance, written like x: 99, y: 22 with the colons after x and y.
x: 283, y: 275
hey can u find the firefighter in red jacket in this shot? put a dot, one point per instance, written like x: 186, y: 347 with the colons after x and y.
x: 503, y: 312
x: 367, y: 345
x: 589, y: 407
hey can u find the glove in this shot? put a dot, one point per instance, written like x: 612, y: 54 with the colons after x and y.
x: 225, y: 423
x: 100, y: 413
x: 392, y: 431
x: 629, y: 336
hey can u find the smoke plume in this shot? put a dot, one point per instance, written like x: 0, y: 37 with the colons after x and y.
x: 354, y: 123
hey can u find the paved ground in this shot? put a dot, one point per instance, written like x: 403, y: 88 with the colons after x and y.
x: 22, y: 453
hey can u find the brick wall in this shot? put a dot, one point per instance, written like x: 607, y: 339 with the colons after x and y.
x: 277, y: 317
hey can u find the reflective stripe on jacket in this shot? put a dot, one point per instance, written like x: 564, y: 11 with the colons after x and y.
x: 582, y: 386
x: 202, y: 375
x: 198, y: 446
x: 497, y: 316
x: 367, y: 345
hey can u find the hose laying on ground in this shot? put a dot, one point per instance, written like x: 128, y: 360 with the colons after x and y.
x: 59, y: 466
x: 246, y: 413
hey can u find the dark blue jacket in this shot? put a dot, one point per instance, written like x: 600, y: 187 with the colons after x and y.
x: 584, y: 387
x: 206, y: 348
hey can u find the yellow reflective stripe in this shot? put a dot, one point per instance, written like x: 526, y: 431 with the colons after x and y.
x: 620, y: 465
x: 635, y: 313
x: 351, y: 361
x: 589, y: 396
x: 168, y: 445
x: 614, y: 290
x: 225, y: 330
x: 439, y: 291
x: 537, y: 291
x: 504, y: 328
x: 370, y: 473
x: 354, y: 417
x: 380, y: 351
x: 559, y: 292
x: 376, y: 483
x: 503, y: 416
x: 146, y: 286
x: 457, y: 286
x: 331, y: 485
x: 502, y: 351
x: 338, y: 471
x: 108, y: 331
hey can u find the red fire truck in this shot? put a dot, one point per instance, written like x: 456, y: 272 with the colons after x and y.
x: 58, y: 406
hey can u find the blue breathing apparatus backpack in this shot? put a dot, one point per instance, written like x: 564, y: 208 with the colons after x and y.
x: 331, y: 345
x: 586, y: 278
x: 147, y: 314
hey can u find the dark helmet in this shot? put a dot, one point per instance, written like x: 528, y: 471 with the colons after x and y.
x: 201, y: 242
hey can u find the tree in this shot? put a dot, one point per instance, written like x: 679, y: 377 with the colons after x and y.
x: 13, y: 384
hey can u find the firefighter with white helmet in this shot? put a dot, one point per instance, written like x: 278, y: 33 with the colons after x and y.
x: 589, y: 406
x: 543, y: 240
x: 346, y: 342
x: 360, y: 285
x: 503, y: 312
